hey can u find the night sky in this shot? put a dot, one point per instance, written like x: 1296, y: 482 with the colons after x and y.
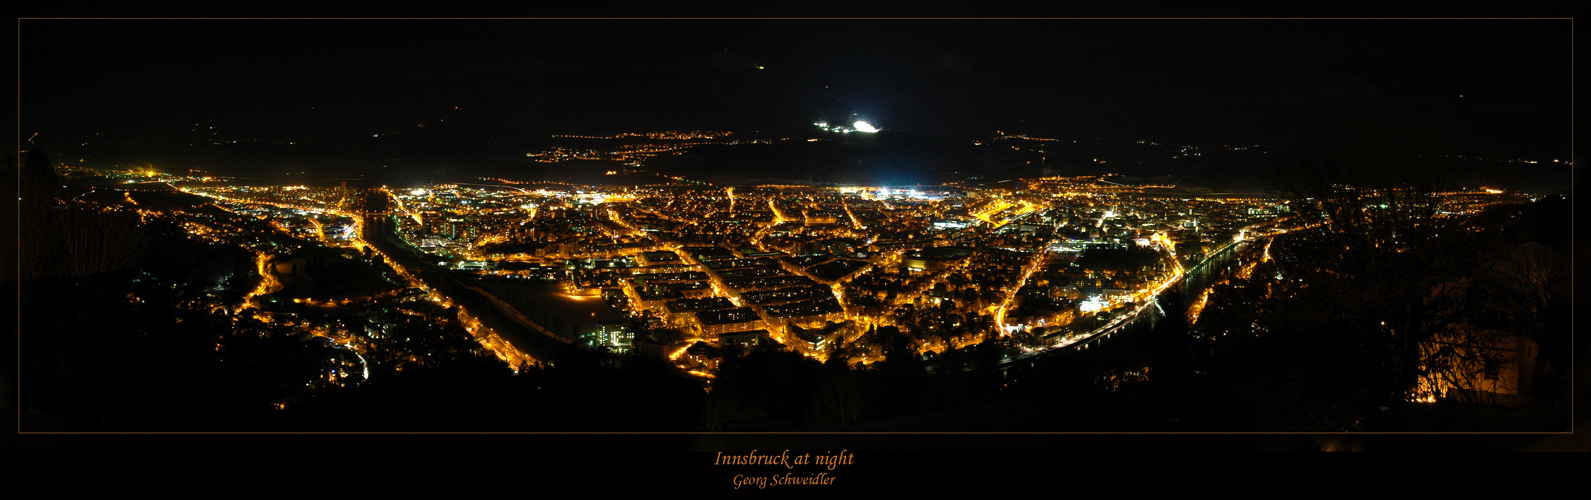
x: 315, y: 80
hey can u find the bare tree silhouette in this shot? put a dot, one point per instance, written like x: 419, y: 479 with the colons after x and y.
x: 66, y: 237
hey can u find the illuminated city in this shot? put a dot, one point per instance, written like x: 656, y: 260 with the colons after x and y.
x: 730, y: 254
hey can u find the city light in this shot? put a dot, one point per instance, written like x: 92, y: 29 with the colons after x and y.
x: 570, y: 243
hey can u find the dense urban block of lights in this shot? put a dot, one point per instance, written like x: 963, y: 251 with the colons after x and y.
x: 811, y: 268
